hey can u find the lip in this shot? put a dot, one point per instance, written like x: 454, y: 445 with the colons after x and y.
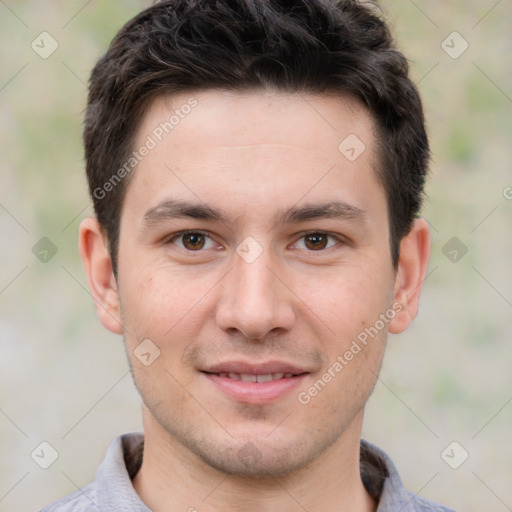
x: 255, y: 392
x: 255, y: 368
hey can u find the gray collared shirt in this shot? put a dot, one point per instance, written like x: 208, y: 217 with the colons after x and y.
x: 112, y: 491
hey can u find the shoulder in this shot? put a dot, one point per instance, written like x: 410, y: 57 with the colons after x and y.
x: 417, y: 503
x: 82, y: 500
x: 383, y: 482
x: 112, y: 489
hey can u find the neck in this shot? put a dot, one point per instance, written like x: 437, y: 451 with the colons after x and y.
x: 170, y: 473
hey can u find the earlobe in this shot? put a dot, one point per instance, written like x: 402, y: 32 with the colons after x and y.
x: 412, y: 268
x: 93, y: 247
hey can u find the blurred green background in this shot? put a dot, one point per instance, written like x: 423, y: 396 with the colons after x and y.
x: 65, y: 380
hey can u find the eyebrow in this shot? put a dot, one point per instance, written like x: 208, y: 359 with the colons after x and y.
x: 170, y: 209
x: 331, y: 210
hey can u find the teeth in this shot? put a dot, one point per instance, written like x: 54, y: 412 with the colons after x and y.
x: 245, y: 377
x: 265, y: 378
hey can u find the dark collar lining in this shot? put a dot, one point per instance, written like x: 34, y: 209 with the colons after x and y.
x: 133, y: 453
x: 373, y: 471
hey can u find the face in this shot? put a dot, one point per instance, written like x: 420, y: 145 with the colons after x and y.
x: 254, y: 255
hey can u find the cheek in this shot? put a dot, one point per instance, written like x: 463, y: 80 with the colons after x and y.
x: 348, y: 299
x: 168, y: 308
x: 154, y: 298
x: 156, y: 308
x: 144, y: 303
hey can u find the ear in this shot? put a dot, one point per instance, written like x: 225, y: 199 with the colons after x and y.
x: 93, y: 247
x: 412, y: 268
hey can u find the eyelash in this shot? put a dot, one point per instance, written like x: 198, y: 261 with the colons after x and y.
x: 176, y: 236
x: 339, y: 239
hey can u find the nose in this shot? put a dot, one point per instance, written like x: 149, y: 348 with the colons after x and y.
x: 255, y: 299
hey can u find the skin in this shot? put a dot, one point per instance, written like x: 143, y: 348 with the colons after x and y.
x: 253, y: 155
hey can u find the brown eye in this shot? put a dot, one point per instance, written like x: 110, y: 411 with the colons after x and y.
x: 316, y: 241
x: 193, y: 241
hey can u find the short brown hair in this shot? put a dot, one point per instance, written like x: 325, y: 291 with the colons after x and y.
x: 310, y: 46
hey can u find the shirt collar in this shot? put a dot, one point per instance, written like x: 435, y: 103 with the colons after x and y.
x: 114, y: 489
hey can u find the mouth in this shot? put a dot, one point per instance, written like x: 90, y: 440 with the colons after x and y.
x: 248, y: 377
x: 255, y: 383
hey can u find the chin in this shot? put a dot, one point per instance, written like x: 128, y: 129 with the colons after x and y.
x: 259, y: 457
x: 249, y: 461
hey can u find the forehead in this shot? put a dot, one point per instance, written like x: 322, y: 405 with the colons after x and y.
x: 258, y: 143
x: 257, y: 117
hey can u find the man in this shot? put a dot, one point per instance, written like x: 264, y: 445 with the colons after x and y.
x: 257, y: 170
